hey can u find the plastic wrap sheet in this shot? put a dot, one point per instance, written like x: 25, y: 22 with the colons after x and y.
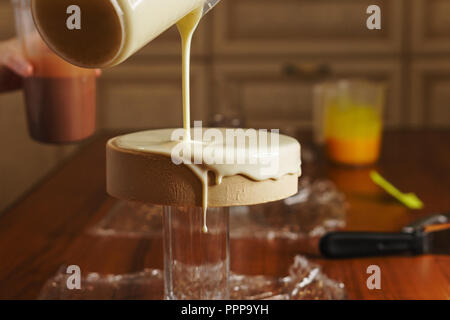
x: 304, y: 282
x: 130, y: 219
x: 318, y: 207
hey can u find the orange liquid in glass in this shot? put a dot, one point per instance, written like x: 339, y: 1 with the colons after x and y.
x: 353, y: 133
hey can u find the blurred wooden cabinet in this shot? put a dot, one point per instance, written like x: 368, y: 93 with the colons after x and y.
x: 429, y: 72
x: 7, y: 26
x: 259, y: 60
x: 142, y: 96
x: 282, y: 27
x: 430, y: 26
x: 278, y: 93
x: 430, y: 93
x: 23, y: 161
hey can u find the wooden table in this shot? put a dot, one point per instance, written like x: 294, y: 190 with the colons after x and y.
x: 47, y: 227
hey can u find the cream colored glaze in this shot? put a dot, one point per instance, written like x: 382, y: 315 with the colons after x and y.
x: 286, y: 157
x: 145, y: 20
x: 186, y: 27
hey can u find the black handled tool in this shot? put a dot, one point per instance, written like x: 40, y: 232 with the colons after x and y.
x: 429, y: 235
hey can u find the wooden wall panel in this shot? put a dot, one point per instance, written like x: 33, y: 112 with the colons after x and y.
x: 430, y: 26
x: 142, y: 96
x: 430, y: 93
x: 265, y: 96
x: 23, y: 161
x: 7, y: 26
x: 263, y: 27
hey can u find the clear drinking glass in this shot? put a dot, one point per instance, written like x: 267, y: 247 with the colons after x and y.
x: 196, y: 264
x: 60, y: 98
x: 349, y: 120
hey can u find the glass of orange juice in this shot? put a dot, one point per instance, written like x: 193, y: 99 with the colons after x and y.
x: 350, y: 120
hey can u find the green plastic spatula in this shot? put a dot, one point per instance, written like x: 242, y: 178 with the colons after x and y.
x: 408, y: 199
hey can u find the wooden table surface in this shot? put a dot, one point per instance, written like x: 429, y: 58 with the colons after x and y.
x: 47, y: 227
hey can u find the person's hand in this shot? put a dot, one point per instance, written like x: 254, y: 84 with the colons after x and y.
x: 13, y: 66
